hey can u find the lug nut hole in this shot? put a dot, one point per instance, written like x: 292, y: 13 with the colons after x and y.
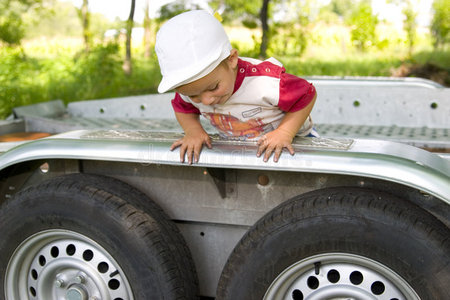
x: 34, y: 274
x: 333, y: 276
x: 297, y: 295
x: 33, y: 291
x: 313, y: 282
x: 356, y: 277
x: 88, y: 255
x: 114, y: 284
x: 70, y: 250
x: 103, y: 267
x: 42, y: 260
x: 377, y: 288
x: 54, y: 252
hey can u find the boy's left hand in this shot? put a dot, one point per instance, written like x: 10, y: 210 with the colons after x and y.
x: 275, y: 141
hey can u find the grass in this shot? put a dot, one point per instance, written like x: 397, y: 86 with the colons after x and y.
x: 45, y: 70
x: 71, y: 76
x: 345, y: 66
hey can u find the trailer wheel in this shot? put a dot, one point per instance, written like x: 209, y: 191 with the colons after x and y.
x: 341, y: 243
x: 69, y: 239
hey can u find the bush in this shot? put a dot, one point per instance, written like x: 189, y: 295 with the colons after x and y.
x: 20, y: 83
x: 95, y: 75
x: 363, y: 24
x: 440, y: 27
x: 11, y: 28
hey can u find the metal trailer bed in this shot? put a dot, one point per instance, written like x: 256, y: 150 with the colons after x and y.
x: 371, y: 128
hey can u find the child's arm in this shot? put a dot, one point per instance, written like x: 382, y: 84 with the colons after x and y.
x: 194, y: 137
x: 282, y: 137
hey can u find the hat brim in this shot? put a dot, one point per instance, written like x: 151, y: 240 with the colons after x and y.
x: 181, y: 78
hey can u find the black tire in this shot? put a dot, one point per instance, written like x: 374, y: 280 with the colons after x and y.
x: 143, y: 254
x: 314, y: 244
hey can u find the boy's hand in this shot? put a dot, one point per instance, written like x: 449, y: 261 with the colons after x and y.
x: 191, y: 145
x: 275, y: 141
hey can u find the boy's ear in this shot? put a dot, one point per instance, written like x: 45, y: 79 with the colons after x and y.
x: 233, y: 58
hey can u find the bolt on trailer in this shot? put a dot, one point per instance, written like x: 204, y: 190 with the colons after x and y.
x: 95, y: 206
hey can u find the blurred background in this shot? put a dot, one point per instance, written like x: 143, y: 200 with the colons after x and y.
x: 93, y: 49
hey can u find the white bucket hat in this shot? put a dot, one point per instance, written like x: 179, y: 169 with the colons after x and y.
x: 189, y: 46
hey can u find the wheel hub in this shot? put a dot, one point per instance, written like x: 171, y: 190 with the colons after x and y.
x: 339, y: 277
x: 65, y: 265
x: 76, y: 293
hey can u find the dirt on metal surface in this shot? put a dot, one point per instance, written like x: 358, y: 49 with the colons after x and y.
x: 437, y: 150
x: 23, y: 136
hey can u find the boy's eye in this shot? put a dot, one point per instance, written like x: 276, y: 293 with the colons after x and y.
x: 214, y: 88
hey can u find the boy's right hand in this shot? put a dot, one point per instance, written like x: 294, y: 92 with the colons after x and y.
x: 191, y: 145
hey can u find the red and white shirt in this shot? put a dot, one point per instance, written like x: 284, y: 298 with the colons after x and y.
x: 263, y: 93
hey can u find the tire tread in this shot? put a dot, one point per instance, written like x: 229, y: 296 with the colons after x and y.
x: 150, y: 223
x: 361, y: 203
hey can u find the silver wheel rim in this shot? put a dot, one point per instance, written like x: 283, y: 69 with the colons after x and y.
x: 337, y: 276
x: 64, y: 265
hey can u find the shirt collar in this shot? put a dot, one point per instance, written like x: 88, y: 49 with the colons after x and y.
x: 241, y: 70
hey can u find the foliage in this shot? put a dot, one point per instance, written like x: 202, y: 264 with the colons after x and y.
x: 362, y: 65
x: 306, y: 41
x: 341, y: 8
x: 290, y: 35
x: 59, y: 20
x: 285, y: 42
x: 244, y: 11
x: 251, y: 14
x: 11, y: 28
x: 174, y: 8
x: 12, y: 24
x: 94, y: 72
x: 98, y: 74
x: 409, y: 24
x: 147, y: 24
x: 440, y: 27
x: 363, y: 24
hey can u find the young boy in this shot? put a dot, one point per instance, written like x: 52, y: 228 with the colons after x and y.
x: 243, y: 98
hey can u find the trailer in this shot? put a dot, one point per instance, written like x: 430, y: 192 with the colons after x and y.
x: 94, y: 205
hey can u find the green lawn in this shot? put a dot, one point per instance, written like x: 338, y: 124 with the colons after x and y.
x: 46, y: 71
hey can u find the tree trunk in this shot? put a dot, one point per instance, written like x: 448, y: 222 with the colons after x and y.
x: 147, y: 30
x: 127, y: 68
x: 264, y: 15
x: 84, y: 16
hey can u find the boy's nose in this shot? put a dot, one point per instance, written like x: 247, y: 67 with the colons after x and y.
x: 207, y: 100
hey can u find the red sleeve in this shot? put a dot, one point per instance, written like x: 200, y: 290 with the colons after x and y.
x: 181, y: 106
x: 295, y: 93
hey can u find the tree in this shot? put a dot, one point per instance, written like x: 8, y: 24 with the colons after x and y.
x: 252, y: 13
x: 61, y: 19
x: 12, y: 25
x: 84, y: 15
x: 147, y: 29
x: 127, y: 67
x: 410, y: 25
x: 264, y: 16
x: 288, y: 36
x: 409, y: 21
x: 245, y: 11
x: 341, y: 8
x: 171, y: 9
x: 336, y: 11
x: 363, y: 24
x: 11, y: 28
x: 440, y: 25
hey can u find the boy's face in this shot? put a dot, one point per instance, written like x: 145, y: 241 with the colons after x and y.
x: 216, y: 87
